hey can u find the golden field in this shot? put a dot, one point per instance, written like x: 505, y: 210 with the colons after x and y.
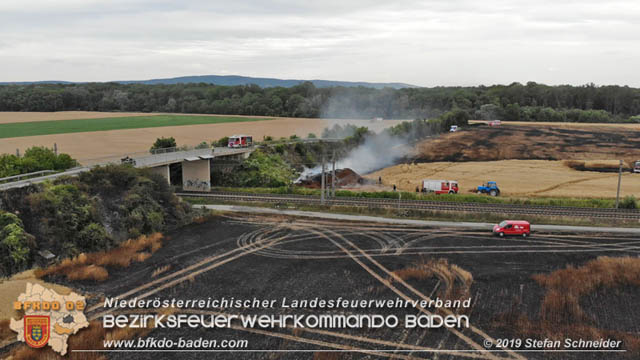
x: 548, y: 178
x: 19, y: 116
x: 106, y: 144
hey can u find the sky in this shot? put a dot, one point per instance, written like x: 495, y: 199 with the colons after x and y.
x: 425, y: 43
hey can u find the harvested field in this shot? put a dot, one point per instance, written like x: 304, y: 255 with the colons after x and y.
x: 274, y: 257
x: 35, y: 128
x: 106, y: 144
x: 19, y: 116
x: 536, y: 142
x: 514, y: 177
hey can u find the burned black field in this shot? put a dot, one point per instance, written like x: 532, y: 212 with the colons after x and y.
x: 273, y: 258
x: 532, y: 142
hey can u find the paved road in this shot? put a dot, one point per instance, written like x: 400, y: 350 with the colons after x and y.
x: 469, y: 225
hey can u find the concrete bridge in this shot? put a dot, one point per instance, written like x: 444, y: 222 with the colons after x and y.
x: 196, y: 166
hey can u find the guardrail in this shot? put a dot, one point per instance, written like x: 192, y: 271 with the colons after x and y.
x: 21, y: 176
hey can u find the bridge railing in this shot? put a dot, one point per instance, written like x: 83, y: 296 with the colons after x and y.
x: 24, y: 176
x: 159, y: 156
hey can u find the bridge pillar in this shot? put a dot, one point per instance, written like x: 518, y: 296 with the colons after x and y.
x: 164, y: 171
x: 196, y: 175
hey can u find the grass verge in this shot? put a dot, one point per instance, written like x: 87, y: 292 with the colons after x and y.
x: 33, y: 128
x: 599, y: 203
x: 93, y: 266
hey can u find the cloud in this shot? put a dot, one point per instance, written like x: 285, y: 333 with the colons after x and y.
x: 427, y: 43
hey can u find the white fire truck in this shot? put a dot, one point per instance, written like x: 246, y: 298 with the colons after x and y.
x: 440, y: 186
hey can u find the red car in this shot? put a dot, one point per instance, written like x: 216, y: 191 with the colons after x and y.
x: 512, y: 227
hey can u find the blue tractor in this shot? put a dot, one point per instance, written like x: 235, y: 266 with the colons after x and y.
x: 490, y: 187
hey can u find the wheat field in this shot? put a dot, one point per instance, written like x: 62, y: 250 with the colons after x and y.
x: 104, y: 144
x: 515, y: 178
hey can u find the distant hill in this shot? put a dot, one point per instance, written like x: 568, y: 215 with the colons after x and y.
x: 236, y: 80
x: 36, y: 82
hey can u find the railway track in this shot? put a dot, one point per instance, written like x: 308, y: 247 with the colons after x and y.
x: 622, y: 214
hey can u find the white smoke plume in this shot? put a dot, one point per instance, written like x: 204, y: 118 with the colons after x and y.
x: 377, y: 152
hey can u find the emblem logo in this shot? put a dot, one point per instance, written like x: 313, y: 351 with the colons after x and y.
x: 36, y: 330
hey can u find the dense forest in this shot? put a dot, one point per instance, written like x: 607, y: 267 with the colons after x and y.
x: 529, y: 102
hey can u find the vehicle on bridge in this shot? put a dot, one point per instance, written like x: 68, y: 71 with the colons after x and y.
x: 128, y: 160
x: 512, y: 227
x: 440, y: 186
x: 240, y: 141
x: 490, y: 187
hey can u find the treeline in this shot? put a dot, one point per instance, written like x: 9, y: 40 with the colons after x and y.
x: 94, y: 211
x: 421, y: 128
x: 526, y: 102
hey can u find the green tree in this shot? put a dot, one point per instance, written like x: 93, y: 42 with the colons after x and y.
x: 164, y: 143
x: 222, y: 142
x: 15, y: 251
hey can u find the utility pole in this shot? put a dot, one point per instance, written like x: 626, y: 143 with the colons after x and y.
x: 322, y: 185
x: 619, y: 181
x: 55, y: 148
x: 18, y: 152
x: 333, y: 174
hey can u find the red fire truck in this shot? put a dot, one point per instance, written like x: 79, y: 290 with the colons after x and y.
x: 440, y: 186
x: 238, y: 141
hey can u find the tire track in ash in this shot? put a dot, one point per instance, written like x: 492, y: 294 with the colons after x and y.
x: 389, y: 285
x: 530, y: 246
x: 202, y: 266
x: 484, y: 335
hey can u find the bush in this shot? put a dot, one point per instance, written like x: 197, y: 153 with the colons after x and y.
x: 92, y: 237
x: 202, y: 145
x: 222, y: 142
x: 261, y: 169
x: 311, y: 136
x: 629, y: 202
x: 164, y: 143
x: 15, y: 244
x: 64, y: 211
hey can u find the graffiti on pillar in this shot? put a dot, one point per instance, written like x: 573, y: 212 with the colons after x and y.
x: 197, y: 185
